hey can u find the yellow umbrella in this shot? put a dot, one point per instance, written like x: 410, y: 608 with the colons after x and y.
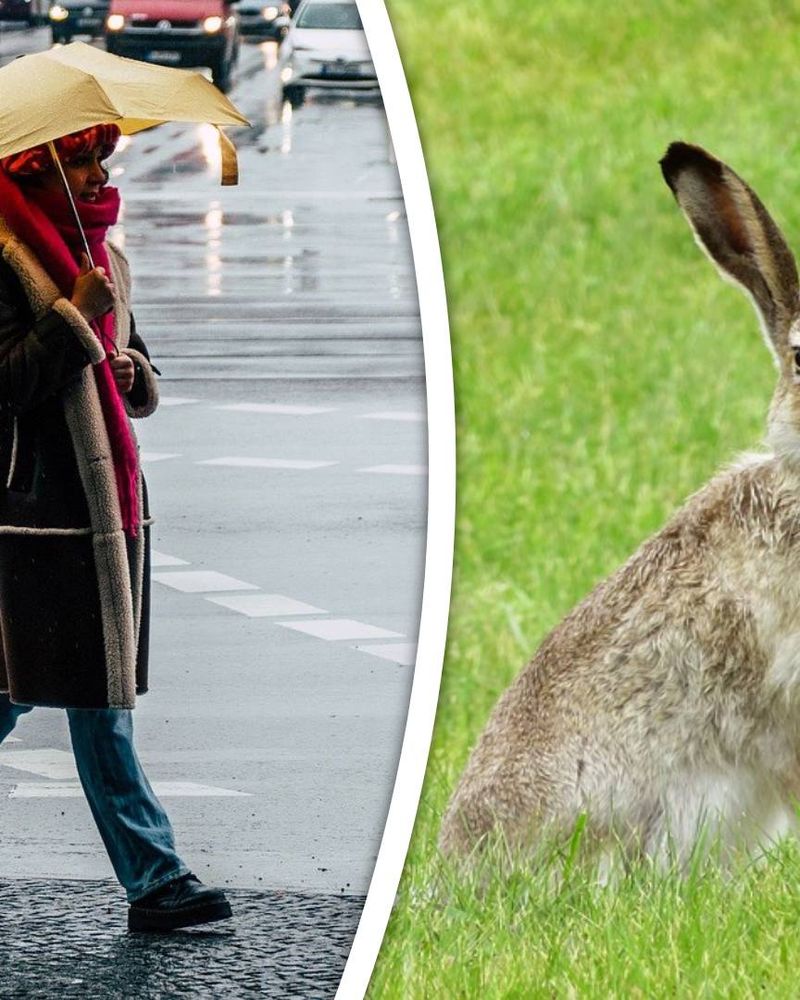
x: 50, y: 94
x: 71, y: 87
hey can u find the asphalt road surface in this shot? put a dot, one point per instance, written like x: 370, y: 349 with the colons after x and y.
x: 287, y: 473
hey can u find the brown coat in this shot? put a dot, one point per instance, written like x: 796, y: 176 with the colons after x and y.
x: 73, y: 589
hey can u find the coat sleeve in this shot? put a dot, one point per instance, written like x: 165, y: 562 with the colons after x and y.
x: 142, y: 399
x: 39, y: 357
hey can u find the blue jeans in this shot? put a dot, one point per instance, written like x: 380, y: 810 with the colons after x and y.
x: 132, y: 822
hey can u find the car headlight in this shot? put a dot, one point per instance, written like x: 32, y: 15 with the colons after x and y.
x: 114, y: 22
x: 58, y: 13
x: 270, y: 13
x: 212, y: 24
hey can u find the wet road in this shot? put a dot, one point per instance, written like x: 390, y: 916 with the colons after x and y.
x: 260, y: 958
x: 286, y: 468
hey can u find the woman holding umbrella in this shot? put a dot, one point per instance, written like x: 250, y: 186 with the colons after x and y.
x: 74, y: 535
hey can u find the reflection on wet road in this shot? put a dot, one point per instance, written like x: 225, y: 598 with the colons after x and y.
x: 308, y: 259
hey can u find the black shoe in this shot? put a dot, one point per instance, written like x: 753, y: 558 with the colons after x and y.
x: 183, y: 902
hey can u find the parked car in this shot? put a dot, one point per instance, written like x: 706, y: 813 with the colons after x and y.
x: 177, y: 33
x: 32, y: 11
x: 326, y: 47
x: 77, y: 17
x: 264, y: 20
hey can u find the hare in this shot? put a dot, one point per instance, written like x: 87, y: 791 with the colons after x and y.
x: 669, y: 699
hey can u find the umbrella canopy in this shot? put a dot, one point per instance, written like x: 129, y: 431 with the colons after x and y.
x: 49, y: 94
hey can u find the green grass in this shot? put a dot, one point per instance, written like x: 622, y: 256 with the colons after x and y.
x: 709, y: 933
x: 603, y: 372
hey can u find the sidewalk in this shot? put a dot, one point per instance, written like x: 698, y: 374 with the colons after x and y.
x: 65, y: 939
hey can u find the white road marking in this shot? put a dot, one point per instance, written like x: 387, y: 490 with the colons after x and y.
x: 398, y: 470
x: 49, y: 763
x: 201, y: 581
x: 266, y: 463
x: 162, y: 559
x: 264, y: 605
x: 59, y: 767
x: 394, y: 415
x: 174, y: 400
x: 404, y: 653
x: 341, y: 628
x: 299, y: 411
x: 157, y: 456
x: 163, y: 789
x: 175, y: 788
x: 12, y: 739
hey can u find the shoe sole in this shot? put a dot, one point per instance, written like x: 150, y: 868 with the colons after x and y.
x: 156, y: 921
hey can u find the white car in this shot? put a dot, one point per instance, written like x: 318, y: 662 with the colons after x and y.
x: 326, y: 47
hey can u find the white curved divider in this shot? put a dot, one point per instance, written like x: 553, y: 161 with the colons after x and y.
x: 441, y: 501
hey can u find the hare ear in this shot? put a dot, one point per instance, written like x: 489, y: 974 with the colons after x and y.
x: 737, y: 233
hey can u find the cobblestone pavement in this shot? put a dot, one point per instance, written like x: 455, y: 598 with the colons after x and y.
x: 70, y: 939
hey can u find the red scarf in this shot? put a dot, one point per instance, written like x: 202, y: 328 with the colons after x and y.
x: 44, y: 222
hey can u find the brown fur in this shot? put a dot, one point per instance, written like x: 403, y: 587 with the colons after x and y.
x: 671, y: 694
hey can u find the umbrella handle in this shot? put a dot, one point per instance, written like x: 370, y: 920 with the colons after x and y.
x: 52, y: 147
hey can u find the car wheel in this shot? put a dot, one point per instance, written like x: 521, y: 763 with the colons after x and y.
x: 294, y: 95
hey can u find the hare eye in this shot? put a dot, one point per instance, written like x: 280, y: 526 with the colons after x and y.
x: 797, y: 357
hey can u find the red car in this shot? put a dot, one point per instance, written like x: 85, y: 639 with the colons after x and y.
x: 176, y: 33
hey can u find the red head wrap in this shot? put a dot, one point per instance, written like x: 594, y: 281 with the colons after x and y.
x: 37, y: 160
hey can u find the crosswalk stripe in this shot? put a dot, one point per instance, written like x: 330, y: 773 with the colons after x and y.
x: 265, y: 605
x: 341, y: 628
x: 404, y: 653
x: 163, y: 789
x: 47, y: 762
x: 157, y: 456
x: 201, y: 581
x: 162, y: 559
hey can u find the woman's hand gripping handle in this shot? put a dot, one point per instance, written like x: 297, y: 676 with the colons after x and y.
x: 93, y: 293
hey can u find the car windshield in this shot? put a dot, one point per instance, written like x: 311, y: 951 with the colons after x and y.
x: 330, y: 15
